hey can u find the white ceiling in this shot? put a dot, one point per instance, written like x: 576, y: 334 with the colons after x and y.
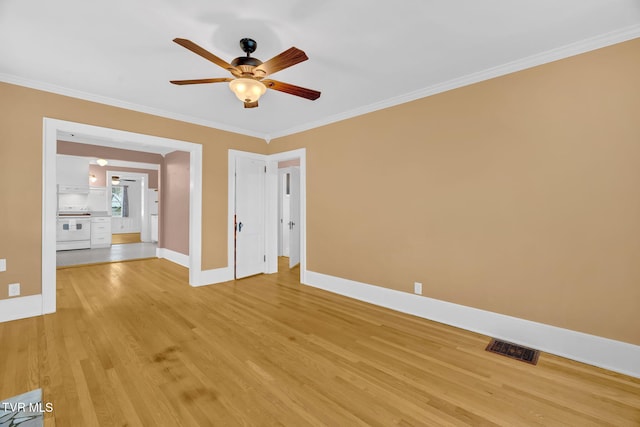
x: 363, y: 55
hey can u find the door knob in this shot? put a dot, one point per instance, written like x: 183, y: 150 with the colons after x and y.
x: 239, y: 227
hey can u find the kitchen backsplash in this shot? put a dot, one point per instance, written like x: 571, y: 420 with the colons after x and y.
x: 72, y: 202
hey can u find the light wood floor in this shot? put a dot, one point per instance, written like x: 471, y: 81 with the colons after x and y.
x: 120, y: 238
x: 132, y: 344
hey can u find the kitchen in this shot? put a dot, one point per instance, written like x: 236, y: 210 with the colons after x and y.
x: 99, y: 198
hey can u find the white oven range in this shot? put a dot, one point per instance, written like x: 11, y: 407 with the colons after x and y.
x: 73, y: 231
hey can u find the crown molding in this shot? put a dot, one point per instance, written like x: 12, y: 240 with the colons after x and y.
x: 61, y: 90
x: 573, y: 49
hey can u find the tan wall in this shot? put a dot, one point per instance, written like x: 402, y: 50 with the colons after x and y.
x: 174, y: 202
x: 519, y: 195
x: 21, y: 114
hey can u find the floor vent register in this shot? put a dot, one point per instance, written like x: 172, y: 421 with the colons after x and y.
x: 514, y: 351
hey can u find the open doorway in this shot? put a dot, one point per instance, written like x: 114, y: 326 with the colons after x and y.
x: 295, y: 163
x: 110, y: 192
x: 270, y: 248
x: 289, y: 212
x: 106, y: 137
x: 127, y: 195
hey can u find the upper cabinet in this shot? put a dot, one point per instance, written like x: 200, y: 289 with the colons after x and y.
x: 72, y: 174
x: 97, y: 200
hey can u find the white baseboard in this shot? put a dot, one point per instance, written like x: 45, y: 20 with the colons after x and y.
x: 197, y: 277
x: 20, y: 307
x: 597, y: 351
x: 211, y: 277
x: 173, y: 256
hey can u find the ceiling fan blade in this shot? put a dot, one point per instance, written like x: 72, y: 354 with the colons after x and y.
x: 286, y: 59
x: 204, y: 53
x: 251, y: 104
x: 198, y: 81
x: 292, y: 89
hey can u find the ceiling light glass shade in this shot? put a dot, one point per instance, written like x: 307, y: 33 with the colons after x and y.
x: 102, y: 162
x: 247, y: 90
x: 115, y: 180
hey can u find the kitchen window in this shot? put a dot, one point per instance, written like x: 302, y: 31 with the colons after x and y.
x: 117, y: 194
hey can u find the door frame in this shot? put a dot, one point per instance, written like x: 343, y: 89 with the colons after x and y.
x: 50, y: 128
x: 273, y: 218
x: 145, y: 218
x: 294, y: 246
x: 271, y: 206
x: 281, y: 197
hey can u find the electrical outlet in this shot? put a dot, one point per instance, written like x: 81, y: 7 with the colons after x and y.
x: 3, y: 265
x: 14, y: 289
x: 417, y: 288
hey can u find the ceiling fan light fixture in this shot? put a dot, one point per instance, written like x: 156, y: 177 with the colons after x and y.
x: 249, y: 71
x: 247, y: 90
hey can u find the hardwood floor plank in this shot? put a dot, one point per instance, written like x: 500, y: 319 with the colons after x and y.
x: 123, y: 238
x: 133, y: 344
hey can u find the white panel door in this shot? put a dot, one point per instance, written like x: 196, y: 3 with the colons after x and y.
x: 294, y: 217
x: 250, y: 217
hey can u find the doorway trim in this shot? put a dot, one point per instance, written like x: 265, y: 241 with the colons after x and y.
x: 271, y: 207
x: 145, y: 219
x: 50, y: 130
x: 282, y: 172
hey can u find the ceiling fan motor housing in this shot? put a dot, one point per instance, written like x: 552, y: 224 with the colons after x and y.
x: 248, y: 45
x: 246, y: 64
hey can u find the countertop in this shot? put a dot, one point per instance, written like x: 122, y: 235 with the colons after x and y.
x: 99, y: 213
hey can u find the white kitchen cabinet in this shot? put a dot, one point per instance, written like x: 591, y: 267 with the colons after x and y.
x: 100, y: 232
x: 72, y: 171
x: 97, y: 200
x: 73, y: 189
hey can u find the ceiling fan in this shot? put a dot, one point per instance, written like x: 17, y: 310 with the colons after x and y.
x: 249, y: 83
x: 116, y: 180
